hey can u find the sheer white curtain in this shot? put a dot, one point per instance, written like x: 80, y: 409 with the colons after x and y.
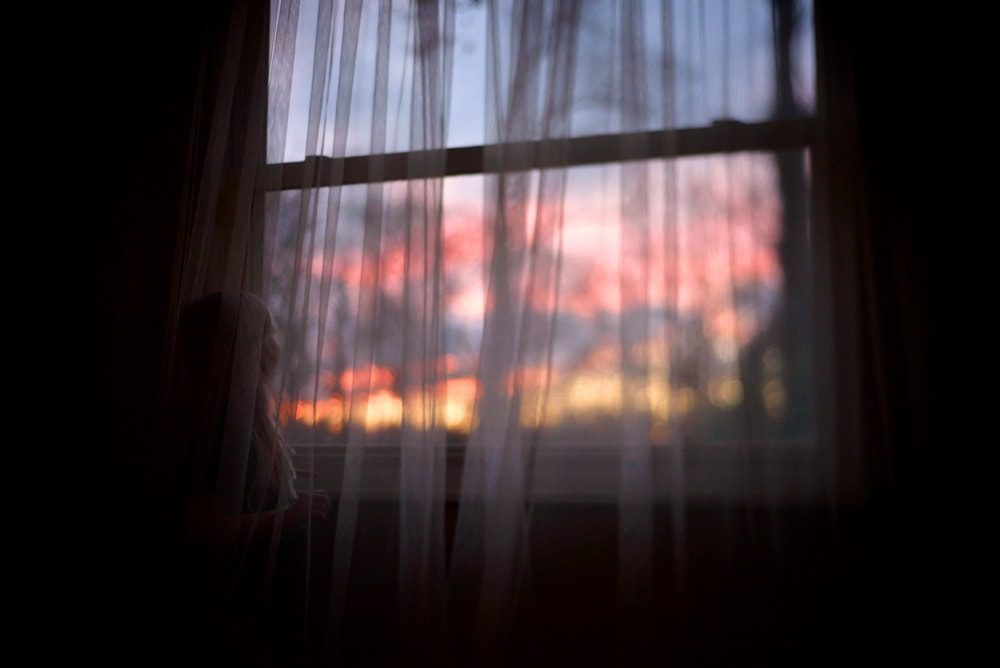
x: 499, y: 277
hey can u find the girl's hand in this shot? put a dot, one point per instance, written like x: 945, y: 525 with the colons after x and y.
x: 308, y: 507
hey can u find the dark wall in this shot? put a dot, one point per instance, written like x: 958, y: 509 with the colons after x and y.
x: 894, y: 76
x: 134, y: 75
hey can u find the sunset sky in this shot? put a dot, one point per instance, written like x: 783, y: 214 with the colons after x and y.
x: 712, y: 278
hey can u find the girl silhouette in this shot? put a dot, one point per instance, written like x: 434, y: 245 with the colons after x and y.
x: 239, y: 470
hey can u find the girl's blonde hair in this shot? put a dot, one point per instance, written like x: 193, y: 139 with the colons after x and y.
x: 229, y: 344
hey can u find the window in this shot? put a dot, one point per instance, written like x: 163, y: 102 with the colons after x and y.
x: 710, y: 295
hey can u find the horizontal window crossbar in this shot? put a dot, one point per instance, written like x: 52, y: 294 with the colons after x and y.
x: 721, y: 137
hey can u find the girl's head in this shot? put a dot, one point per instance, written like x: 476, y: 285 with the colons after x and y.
x: 234, y: 329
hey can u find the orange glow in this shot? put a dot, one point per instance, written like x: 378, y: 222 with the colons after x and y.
x: 460, y: 402
x: 381, y: 378
x: 450, y: 364
x: 451, y: 406
x: 584, y: 397
x: 684, y: 401
x: 725, y: 392
x: 530, y: 378
x: 464, y: 388
x: 328, y: 413
x: 594, y: 395
x: 453, y: 401
x: 381, y: 410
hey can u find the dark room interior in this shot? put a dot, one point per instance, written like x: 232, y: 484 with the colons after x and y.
x: 859, y: 572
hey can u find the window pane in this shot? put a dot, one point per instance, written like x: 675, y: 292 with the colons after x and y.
x: 719, y: 55
x: 719, y: 286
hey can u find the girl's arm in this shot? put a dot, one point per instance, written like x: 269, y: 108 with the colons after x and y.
x: 208, y: 526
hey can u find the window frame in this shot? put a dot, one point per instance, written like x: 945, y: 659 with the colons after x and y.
x: 767, y: 473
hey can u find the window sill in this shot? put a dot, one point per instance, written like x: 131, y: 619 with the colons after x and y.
x: 760, y: 473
